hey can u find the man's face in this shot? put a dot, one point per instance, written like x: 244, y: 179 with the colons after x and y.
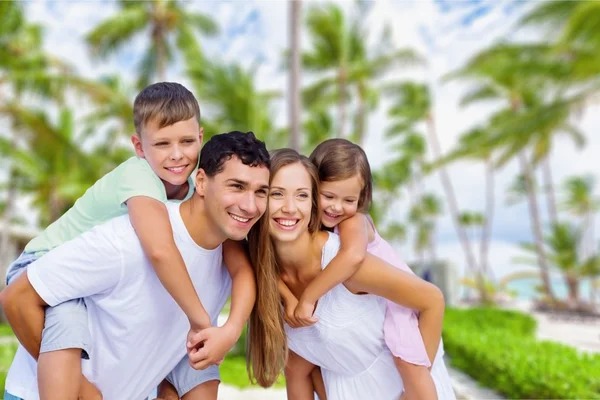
x: 236, y: 197
x: 171, y: 151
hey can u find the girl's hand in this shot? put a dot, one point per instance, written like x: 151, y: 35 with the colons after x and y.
x: 289, y: 305
x: 304, y: 313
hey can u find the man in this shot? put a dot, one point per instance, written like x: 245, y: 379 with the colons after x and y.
x: 138, y: 331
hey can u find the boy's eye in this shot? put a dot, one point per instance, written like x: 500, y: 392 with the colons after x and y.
x: 189, y: 141
x: 162, y: 144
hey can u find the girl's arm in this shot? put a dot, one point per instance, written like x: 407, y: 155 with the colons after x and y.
x: 298, y: 379
x: 289, y: 304
x: 150, y: 219
x: 377, y: 277
x: 354, y: 238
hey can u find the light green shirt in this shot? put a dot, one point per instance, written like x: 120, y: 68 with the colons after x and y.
x: 103, y: 201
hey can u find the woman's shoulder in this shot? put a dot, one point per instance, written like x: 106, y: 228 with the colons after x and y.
x: 329, y: 243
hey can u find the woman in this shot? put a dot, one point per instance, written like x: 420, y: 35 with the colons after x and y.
x: 347, y: 341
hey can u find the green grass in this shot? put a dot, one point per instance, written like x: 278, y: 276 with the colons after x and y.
x: 7, y: 352
x: 233, y: 373
x: 5, y: 330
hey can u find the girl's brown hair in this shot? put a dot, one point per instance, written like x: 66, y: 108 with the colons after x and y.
x: 339, y: 159
x: 266, y: 341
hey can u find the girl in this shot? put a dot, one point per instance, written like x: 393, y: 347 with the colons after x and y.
x: 347, y: 340
x: 345, y: 196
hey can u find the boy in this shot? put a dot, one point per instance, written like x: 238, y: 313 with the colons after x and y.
x: 167, y: 143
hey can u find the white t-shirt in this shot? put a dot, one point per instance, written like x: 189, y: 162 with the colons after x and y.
x: 138, y: 332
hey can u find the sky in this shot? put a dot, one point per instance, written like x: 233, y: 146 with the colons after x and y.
x: 447, y: 32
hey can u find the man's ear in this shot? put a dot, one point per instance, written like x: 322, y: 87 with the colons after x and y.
x: 201, y: 182
x: 137, y: 145
x: 201, y: 135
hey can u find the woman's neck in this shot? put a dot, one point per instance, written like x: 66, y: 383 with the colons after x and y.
x: 296, y: 259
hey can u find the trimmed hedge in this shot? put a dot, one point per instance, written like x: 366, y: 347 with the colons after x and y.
x: 499, y: 349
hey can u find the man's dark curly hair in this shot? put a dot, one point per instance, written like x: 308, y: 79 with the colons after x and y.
x: 243, y: 145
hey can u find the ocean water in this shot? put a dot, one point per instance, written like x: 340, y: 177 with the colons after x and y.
x: 526, y: 288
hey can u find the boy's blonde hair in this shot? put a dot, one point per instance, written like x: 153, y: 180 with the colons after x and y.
x: 339, y: 159
x: 166, y: 103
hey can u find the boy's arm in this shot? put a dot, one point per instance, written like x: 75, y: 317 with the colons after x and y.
x: 150, y: 220
x: 243, y: 286
x: 354, y: 238
x: 218, y: 341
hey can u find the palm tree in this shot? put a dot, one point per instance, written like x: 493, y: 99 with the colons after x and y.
x: 579, y: 201
x: 341, y: 63
x: 471, y: 145
x: 236, y: 104
x: 412, y: 106
x: 50, y: 163
x: 170, y: 27
x: 294, y: 88
x: 562, y: 242
x: 519, y: 76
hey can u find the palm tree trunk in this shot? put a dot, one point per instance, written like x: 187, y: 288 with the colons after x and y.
x: 549, y: 188
x: 6, y: 220
x: 361, y: 115
x: 453, y: 207
x: 294, y: 105
x: 572, y: 282
x: 536, y: 225
x: 342, y: 101
x: 486, y: 230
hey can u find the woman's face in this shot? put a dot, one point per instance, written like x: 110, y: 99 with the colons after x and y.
x: 290, y: 203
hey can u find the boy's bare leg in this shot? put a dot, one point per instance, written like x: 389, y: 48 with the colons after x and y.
x: 166, y: 391
x: 206, y: 391
x: 59, y: 374
x: 318, y: 383
x: 418, y: 383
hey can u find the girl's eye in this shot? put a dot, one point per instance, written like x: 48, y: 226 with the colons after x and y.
x: 327, y: 196
x: 350, y: 201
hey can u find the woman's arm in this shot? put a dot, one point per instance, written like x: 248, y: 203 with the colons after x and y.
x: 298, y: 379
x: 354, y: 238
x: 377, y: 277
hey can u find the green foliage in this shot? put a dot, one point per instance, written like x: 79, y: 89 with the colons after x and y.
x: 499, y: 349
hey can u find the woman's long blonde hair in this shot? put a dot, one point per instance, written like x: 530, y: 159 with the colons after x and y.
x: 266, y: 341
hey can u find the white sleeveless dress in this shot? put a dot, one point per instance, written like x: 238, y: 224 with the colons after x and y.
x: 348, y: 344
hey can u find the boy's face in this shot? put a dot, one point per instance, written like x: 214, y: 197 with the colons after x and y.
x: 171, y: 151
x: 235, y: 198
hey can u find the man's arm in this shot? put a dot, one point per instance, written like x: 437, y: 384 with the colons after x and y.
x: 151, y: 222
x: 24, y: 309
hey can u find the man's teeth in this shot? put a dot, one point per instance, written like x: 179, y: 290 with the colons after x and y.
x: 239, y: 218
x: 287, y: 222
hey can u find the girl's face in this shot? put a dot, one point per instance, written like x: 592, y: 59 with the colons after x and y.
x: 339, y: 200
x: 290, y: 203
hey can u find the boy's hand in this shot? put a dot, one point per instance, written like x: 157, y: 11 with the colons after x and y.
x: 304, y: 313
x: 213, y: 345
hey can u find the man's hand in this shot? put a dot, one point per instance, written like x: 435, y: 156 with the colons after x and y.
x: 213, y: 345
x: 87, y: 391
x: 303, y: 313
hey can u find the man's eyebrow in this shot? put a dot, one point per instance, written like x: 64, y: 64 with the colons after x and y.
x: 238, y: 181
x: 265, y: 187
